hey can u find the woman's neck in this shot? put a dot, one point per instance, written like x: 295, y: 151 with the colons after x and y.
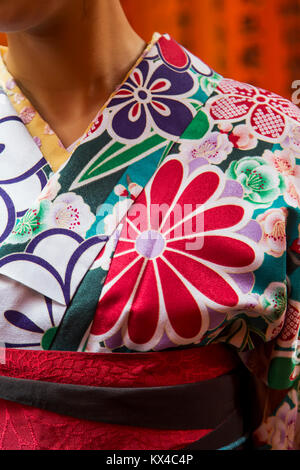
x: 69, y: 67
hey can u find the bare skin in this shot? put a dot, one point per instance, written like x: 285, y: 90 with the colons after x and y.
x: 68, y: 56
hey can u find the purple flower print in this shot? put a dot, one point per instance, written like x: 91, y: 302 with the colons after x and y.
x: 153, y: 99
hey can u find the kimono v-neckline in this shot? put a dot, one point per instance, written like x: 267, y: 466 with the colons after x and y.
x: 47, y: 140
x: 55, y: 226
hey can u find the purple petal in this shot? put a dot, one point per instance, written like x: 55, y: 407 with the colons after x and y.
x: 233, y: 188
x: 252, y: 230
x: 119, y: 99
x: 196, y: 163
x: 215, y: 318
x: 144, y: 68
x: 20, y: 320
x: 164, y: 343
x: 125, y: 128
x: 245, y: 281
x: 177, y: 122
x: 115, y: 341
x: 180, y: 82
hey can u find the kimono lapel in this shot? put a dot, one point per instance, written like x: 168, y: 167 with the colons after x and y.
x: 22, y: 168
x: 50, y: 238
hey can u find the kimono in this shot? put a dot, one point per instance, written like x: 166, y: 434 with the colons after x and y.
x: 150, y: 286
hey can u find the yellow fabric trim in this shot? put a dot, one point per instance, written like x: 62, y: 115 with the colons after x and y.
x: 49, y: 143
x: 46, y: 139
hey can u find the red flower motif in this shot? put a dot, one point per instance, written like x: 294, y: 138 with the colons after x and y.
x: 266, y: 112
x: 95, y: 125
x: 173, y: 54
x: 168, y: 271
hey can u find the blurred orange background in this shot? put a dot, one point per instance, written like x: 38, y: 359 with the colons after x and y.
x: 256, y: 41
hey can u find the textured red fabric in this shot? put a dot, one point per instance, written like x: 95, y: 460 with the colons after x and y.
x: 120, y: 369
x: 29, y: 428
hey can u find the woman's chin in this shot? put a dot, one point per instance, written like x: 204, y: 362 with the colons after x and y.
x: 23, y: 15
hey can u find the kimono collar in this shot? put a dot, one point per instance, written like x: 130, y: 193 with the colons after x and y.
x: 53, y: 225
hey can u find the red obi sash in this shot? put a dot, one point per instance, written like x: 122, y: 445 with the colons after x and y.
x: 33, y: 428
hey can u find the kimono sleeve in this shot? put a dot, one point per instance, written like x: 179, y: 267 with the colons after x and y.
x: 280, y: 429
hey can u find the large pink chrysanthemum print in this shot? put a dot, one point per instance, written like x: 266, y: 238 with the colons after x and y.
x: 174, y: 268
x: 267, y: 114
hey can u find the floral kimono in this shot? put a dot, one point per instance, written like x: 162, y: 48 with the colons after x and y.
x: 143, y: 269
